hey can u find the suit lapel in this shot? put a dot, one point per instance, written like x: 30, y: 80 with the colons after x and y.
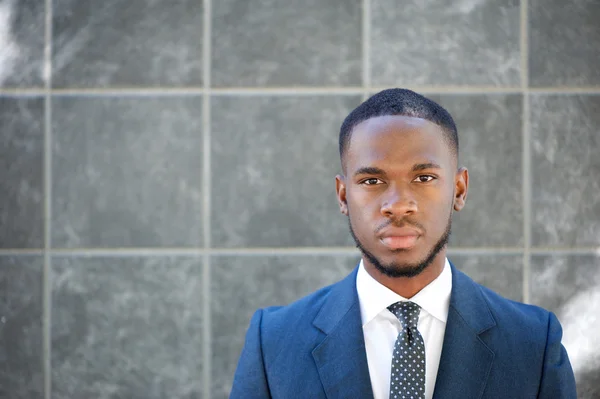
x: 466, y: 360
x: 341, y: 357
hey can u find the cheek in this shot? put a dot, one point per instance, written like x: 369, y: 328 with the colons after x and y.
x: 441, y: 199
x: 443, y: 215
x: 360, y: 218
x: 361, y: 213
x: 435, y: 211
x: 363, y: 202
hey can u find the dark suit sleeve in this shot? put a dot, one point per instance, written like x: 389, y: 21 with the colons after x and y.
x: 250, y: 379
x: 558, y: 381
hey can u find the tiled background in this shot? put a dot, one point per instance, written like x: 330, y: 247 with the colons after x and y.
x: 167, y: 167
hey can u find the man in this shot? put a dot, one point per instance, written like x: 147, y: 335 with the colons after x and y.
x: 405, y: 323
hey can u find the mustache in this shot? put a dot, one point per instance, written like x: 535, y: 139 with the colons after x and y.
x: 399, y: 223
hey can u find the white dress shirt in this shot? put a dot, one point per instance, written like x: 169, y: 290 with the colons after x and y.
x: 381, y: 327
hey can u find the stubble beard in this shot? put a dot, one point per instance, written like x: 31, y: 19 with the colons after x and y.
x: 395, y: 269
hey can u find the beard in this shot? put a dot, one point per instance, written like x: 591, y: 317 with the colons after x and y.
x: 395, y: 269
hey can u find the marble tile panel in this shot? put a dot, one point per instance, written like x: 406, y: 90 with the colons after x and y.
x: 564, y: 37
x: 22, y: 35
x: 295, y: 42
x: 116, y: 43
x: 21, y: 337
x: 127, y: 327
x: 565, y: 142
x: 21, y: 172
x: 435, y: 42
x: 127, y: 172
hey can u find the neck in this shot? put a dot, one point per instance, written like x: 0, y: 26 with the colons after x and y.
x: 407, y: 287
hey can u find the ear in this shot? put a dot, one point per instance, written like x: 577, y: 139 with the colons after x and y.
x: 461, y: 187
x: 340, y: 189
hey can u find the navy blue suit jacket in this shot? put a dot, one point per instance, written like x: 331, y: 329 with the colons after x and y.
x: 493, y: 348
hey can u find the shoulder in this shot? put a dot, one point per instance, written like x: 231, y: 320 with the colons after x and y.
x: 513, y: 308
x: 514, y: 330
x: 530, y: 337
x: 289, y: 329
x: 474, y: 297
x: 512, y: 312
x: 297, y: 313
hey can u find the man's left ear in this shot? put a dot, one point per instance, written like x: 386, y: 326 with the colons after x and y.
x: 461, y: 187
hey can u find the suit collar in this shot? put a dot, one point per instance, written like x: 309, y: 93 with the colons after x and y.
x: 341, y: 299
x: 341, y: 357
x: 466, y: 360
x: 467, y: 300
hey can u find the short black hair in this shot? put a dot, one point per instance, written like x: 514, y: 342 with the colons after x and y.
x: 402, y: 102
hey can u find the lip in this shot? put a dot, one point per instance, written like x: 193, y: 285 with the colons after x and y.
x: 399, y: 238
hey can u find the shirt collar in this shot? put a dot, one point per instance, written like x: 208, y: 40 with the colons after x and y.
x: 375, y: 297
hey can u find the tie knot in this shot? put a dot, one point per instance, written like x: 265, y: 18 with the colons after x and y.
x: 406, y: 312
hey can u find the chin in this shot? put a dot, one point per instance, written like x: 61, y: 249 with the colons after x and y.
x: 404, y: 259
x: 403, y: 269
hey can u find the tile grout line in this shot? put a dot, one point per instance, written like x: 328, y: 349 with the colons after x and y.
x: 22, y: 251
x: 526, y: 156
x: 266, y: 251
x: 206, y: 206
x: 47, y: 266
x: 291, y: 91
x: 366, y: 48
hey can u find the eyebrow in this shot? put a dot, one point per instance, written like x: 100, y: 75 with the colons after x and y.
x: 369, y: 170
x: 422, y: 166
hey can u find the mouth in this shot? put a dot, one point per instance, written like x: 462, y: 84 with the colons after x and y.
x: 399, y: 242
x: 399, y: 238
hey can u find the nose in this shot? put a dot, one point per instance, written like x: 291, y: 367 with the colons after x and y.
x: 398, y: 202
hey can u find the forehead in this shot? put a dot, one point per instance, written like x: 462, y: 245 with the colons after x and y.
x: 397, y: 140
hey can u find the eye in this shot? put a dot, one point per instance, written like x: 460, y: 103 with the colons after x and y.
x: 424, y: 178
x: 371, y: 181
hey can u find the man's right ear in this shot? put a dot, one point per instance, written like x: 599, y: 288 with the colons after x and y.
x: 340, y: 189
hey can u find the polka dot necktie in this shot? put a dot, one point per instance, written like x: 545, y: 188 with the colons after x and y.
x: 408, y: 361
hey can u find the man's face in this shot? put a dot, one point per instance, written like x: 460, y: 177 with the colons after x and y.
x: 400, y: 187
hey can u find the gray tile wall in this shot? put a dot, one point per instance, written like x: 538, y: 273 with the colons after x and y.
x: 167, y: 167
